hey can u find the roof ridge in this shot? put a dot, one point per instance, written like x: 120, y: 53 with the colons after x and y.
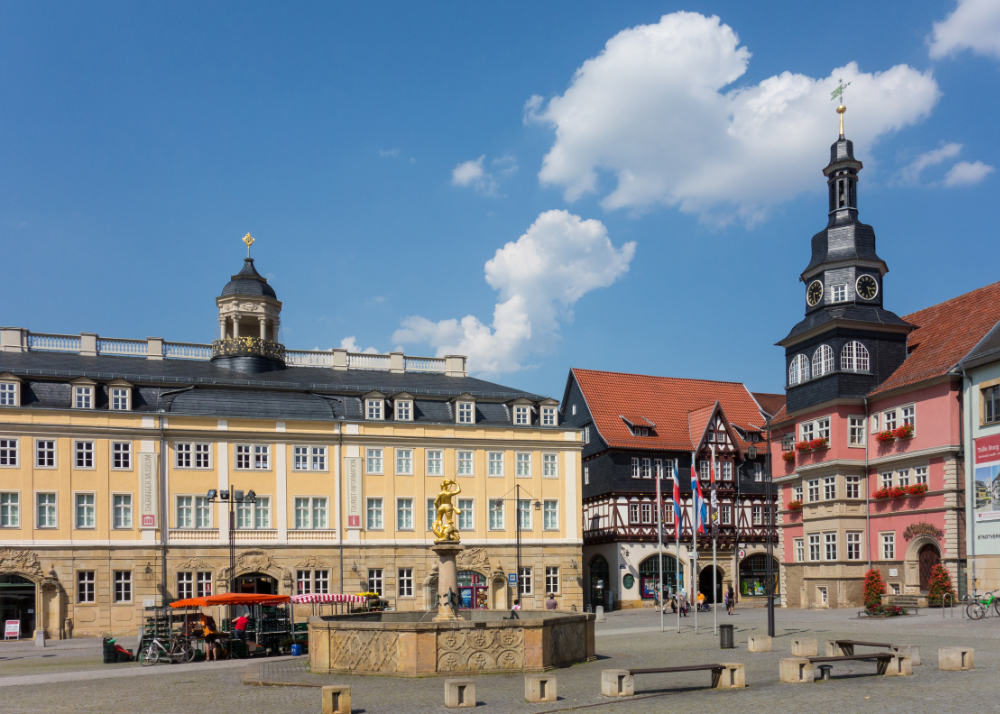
x: 955, y: 299
x: 653, y: 376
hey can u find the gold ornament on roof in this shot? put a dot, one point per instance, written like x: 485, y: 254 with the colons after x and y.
x: 248, y: 239
x: 839, y: 92
x: 444, y: 524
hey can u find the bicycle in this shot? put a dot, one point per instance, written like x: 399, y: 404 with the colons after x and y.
x: 180, y: 651
x: 977, y: 609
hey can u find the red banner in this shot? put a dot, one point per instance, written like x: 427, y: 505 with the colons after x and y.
x: 987, y: 449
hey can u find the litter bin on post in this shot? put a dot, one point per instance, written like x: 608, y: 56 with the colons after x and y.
x: 726, y: 637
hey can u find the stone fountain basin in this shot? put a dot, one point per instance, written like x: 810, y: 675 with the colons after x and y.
x: 409, y: 644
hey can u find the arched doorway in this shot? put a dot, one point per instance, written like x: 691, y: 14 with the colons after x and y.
x: 17, y: 602
x: 753, y: 575
x: 927, y: 557
x: 649, y: 576
x: 472, y: 590
x: 599, y: 582
x: 705, y: 584
x: 257, y: 583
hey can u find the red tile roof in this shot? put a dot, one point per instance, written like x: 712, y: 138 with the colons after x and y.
x: 770, y: 403
x: 665, y: 400
x: 698, y: 420
x: 945, y: 334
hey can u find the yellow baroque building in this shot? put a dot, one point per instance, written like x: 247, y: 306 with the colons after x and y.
x: 118, y: 459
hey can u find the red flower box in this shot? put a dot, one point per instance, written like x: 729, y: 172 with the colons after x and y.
x: 788, y: 456
x: 820, y: 443
x: 904, y: 432
x: 885, y: 437
x: 881, y: 493
x: 803, y: 445
x: 916, y: 489
x: 795, y: 506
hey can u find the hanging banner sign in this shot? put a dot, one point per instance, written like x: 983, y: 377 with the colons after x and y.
x: 353, y: 475
x: 986, y: 491
x: 147, y: 490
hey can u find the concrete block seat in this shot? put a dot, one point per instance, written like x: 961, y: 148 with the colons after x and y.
x: 459, y: 693
x: 956, y: 659
x: 540, y: 688
x: 800, y: 670
x: 621, y: 682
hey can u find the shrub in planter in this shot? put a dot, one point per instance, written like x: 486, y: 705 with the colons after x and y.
x: 885, y: 611
x: 904, y: 432
x: 788, y: 456
x: 874, y: 589
x: 795, y: 505
x: 885, y: 437
x: 916, y: 489
x: 939, y: 585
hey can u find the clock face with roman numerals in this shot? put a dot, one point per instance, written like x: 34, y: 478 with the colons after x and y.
x: 814, y: 293
x: 867, y: 287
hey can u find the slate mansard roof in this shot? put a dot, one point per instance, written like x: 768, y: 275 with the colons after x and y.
x: 201, y: 388
x: 678, y: 407
x: 249, y: 282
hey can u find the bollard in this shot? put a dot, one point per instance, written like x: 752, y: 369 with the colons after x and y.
x: 617, y: 683
x: 337, y: 700
x: 761, y: 643
x: 796, y: 670
x: 956, y: 659
x: 804, y: 648
x: 824, y: 672
x: 459, y: 693
x: 600, y: 613
x: 540, y: 688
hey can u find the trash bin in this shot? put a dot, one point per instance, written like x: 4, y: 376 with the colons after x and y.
x: 296, y: 650
x: 726, y: 637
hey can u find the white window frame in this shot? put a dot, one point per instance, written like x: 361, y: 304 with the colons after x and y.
x: 853, y: 539
x: 552, y: 579
x: 829, y: 488
x: 404, y: 511
x: 77, y: 495
x: 823, y: 594
x: 497, y: 519
x: 185, y: 584
x: 908, y: 413
x: 253, y: 457
x: 10, y: 509
x: 403, y: 409
x: 305, y: 510
x: 903, y: 477
x: 813, y: 490
x: 434, y: 462
x: 647, y: 468
x: 431, y: 514
x: 838, y: 293
x: 49, y: 453
x: 889, y: 418
x: 798, y: 370
x: 192, y: 455
x: 550, y: 514
x: 125, y: 508
x: 920, y: 475
x: 522, y: 468
x: 523, y: 509
x: 83, y: 397
x: 822, y: 361
x: 121, y: 458
x: 797, y: 493
x: 885, y: 479
x: 404, y: 462
x: 465, y: 413
x: 51, y: 509
x: 522, y: 415
x: 375, y: 460
x: 376, y: 581
x: 586, y: 435
x: 800, y: 550
x: 815, y: 550
x: 203, y: 583
x: 120, y: 399
x: 465, y: 463
x: 725, y: 514
x: 635, y: 467
x: 255, y: 516
x: 467, y: 514
x: 495, y: 464
x: 10, y: 453
x: 121, y: 582
x: 375, y: 513
x: 10, y: 394
x: 854, y: 357
x: 550, y: 416
x: 80, y: 449
x: 86, y: 586
x: 888, y: 541
x: 852, y: 486
x: 550, y: 465
x: 309, y: 458
x: 524, y: 581
x: 375, y: 409
x: 830, y: 546
x: 857, y: 434
x: 404, y: 582
x: 757, y: 517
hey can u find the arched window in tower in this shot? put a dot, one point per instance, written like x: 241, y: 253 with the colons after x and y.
x: 842, y: 194
x: 854, y: 357
x: 798, y: 370
x: 822, y: 361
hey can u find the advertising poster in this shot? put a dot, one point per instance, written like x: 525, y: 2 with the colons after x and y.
x: 986, y: 494
x: 147, y: 490
x: 353, y: 476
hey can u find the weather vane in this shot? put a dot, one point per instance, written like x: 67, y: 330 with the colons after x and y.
x: 839, y: 92
x: 248, y: 239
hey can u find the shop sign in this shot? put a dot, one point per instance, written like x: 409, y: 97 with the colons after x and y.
x: 986, y: 495
x: 147, y: 490
x: 353, y: 475
x: 742, y: 554
x: 12, y: 629
x: 628, y: 581
x: 512, y: 579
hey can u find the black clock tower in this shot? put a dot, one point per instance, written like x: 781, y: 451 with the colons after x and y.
x: 847, y: 344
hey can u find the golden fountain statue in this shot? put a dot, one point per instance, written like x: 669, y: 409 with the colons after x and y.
x: 444, y: 525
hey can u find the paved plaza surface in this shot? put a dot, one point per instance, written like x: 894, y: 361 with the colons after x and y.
x: 69, y: 676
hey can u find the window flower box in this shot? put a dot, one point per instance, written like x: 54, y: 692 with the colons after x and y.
x: 885, y: 437
x: 891, y: 492
x: 795, y: 506
x: 820, y: 443
x: 916, y: 489
x: 788, y: 456
x: 904, y: 432
x: 803, y: 445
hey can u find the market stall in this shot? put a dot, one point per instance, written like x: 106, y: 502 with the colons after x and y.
x: 269, y: 624
x: 337, y: 601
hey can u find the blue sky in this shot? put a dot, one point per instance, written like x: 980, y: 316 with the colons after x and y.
x: 651, y: 184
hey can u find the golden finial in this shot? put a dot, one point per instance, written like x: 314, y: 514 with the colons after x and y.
x: 248, y: 239
x: 839, y: 92
x: 840, y: 110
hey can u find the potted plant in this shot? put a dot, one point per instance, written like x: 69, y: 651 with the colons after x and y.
x: 795, y: 505
x: 885, y: 437
x: 788, y: 456
x: 881, y: 493
x: 874, y: 589
x: 904, y: 432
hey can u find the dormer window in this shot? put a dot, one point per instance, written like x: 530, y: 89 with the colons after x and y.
x: 640, y: 431
x: 466, y: 413
x: 10, y: 394
x: 404, y: 410
x: 83, y: 397
x: 373, y: 408
x: 548, y: 416
x: 121, y: 399
x: 522, y: 415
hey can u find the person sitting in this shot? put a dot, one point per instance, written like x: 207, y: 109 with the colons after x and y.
x: 701, y: 602
x: 673, y: 604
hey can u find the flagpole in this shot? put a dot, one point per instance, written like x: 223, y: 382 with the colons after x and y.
x: 715, y: 569
x: 659, y: 541
x: 694, y: 538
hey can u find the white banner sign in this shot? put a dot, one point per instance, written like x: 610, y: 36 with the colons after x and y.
x: 353, y: 475
x: 147, y: 490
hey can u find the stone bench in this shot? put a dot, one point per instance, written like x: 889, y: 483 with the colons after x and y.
x: 801, y: 670
x: 805, y: 648
x: 621, y: 682
x: 540, y: 688
x: 759, y: 644
x: 956, y: 659
x: 836, y: 648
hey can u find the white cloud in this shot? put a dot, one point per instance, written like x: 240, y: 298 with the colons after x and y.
x: 389, y: 154
x: 558, y: 260
x: 974, y: 25
x: 652, y: 110
x: 965, y: 174
x: 473, y: 174
x: 351, y: 345
x: 910, y: 174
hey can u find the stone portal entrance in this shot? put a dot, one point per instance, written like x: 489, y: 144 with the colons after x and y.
x: 257, y: 584
x: 17, y: 602
x: 927, y: 558
x: 705, y: 584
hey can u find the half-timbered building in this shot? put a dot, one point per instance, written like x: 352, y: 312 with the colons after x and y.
x: 639, y: 430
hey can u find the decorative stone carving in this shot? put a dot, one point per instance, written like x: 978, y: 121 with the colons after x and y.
x: 312, y: 562
x: 923, y: 528
x: 480, y: 649
x: 254, y: 560
x: 366, y: 651
x: 474, y: 559
x: 21, y: 562
x: 194, y: 563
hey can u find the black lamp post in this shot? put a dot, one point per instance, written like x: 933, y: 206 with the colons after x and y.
x: 498, y: 505
x: 232, y: 497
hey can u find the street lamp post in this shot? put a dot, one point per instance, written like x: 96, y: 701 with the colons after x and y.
x: 769, y: 529
x: 498, y: 505
x: 232, y: 497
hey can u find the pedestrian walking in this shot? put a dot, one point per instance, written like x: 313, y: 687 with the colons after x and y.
x: 730, y: 600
